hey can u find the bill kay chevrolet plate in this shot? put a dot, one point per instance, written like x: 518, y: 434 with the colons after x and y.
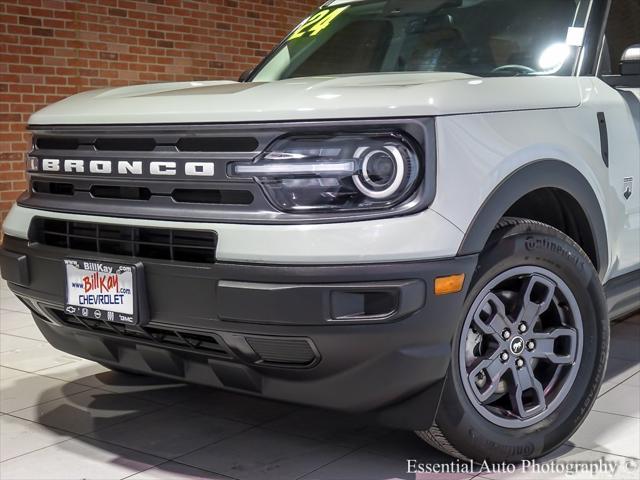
x: 101, y: 291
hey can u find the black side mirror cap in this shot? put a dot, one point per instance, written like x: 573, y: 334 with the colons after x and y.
x: 244, y: 76
x: 630, y: 62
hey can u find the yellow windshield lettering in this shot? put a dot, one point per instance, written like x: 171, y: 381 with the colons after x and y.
x: 317, y: 22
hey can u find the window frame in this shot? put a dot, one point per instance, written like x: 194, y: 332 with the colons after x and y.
x: 613, y: 80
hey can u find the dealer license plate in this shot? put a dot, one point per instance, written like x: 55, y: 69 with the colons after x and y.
x: 101, y: 290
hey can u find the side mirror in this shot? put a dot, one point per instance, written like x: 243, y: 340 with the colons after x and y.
x: 244, y: 76
x: 630, y: 62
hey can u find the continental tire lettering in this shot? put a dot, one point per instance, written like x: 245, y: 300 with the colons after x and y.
x: 544, y: 244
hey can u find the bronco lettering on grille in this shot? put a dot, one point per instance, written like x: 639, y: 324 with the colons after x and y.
x: 125, y: 167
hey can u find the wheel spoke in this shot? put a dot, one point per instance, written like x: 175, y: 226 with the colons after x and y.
x: 527, y: 384
x: 491, y: 317
x: 536, y: 297
x: 546, y: 342
x: 493, y: 370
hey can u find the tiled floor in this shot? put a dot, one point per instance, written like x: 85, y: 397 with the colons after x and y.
x: 62, y: 417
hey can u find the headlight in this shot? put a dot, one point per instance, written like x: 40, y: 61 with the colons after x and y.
x: 31, y: 163
x: 303, y: 174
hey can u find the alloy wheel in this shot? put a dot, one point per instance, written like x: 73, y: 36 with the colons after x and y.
x: 521, y: 346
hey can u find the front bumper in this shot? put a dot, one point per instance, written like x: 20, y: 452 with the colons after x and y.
x: 360, y: 338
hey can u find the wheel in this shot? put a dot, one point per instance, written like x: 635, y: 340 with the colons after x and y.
x: 530, y: 352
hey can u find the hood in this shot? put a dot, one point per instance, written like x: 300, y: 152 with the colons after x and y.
x: 313, y: 98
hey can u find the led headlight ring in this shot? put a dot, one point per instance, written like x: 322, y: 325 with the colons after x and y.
x: 368, y: 186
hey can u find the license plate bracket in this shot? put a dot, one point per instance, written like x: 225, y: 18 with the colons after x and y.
x: 107, y: 291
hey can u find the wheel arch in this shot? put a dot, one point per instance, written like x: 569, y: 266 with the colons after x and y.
x: 509, y: 198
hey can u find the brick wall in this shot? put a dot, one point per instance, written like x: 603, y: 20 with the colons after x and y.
x: 50, y: 49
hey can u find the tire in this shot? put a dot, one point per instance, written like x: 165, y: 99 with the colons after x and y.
x: 512, y: 416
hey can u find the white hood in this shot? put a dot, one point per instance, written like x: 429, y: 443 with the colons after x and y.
x: 313, y: 98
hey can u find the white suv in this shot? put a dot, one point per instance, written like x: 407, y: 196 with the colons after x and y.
x: 425, y: 211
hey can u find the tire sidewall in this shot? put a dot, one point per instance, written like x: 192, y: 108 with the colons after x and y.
x: 466, y: 429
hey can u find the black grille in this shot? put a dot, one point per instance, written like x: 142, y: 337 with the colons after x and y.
x: 221, y: 144
x: 285, y: 351
x: 121, y: 181
x: 132, y: 144
x: 209, y: 196
x: 157, y: 243
x: 219, y: 197
x: 53, y: 188
x: 217, y: 144
x: 201, y: 342
x: 123, y: 193
x: 57, y: 143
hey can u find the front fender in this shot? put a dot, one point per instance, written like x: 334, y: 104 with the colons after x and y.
x: 547, y: 173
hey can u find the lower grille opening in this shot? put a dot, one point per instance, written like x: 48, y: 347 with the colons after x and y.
x: 122, y: 193
x: 53, y: 188
x: 283, y: 351
x: 218, y: 197
x: 205, y: 343
x: 163, y: 244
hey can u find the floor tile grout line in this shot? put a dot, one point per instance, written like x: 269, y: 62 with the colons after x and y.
x: 177, y: 459
x: 616, y: 414
x: 145, y: 470
x: 618, y: 384
x: 34, y: 372
x: 50, y: 400
x: 608, y: 453
x: 350, y: 452
x: 295, y: 434
x: 220, y: 417
x: 299, y: 435
x: 71, y: 436
x: 11, y: 310
x: 21, y: 336
x: 573, y: 445
x: 87, y: 435
x: 76, y: 436
x: 36, y: 450
x: 133, y: 394
x: 138, y: 396
x: 141, y: 397
x: 226, y: 477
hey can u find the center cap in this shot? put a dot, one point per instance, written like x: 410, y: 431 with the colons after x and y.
x: 517, y: 345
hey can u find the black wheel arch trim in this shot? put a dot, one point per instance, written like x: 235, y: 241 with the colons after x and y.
x: 546, y: 173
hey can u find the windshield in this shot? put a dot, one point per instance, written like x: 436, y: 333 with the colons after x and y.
x: 478, y: 37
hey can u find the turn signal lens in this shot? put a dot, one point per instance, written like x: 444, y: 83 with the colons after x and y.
x: 450, y: 284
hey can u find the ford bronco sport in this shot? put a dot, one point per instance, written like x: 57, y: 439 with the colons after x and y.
x: 425, y: 211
